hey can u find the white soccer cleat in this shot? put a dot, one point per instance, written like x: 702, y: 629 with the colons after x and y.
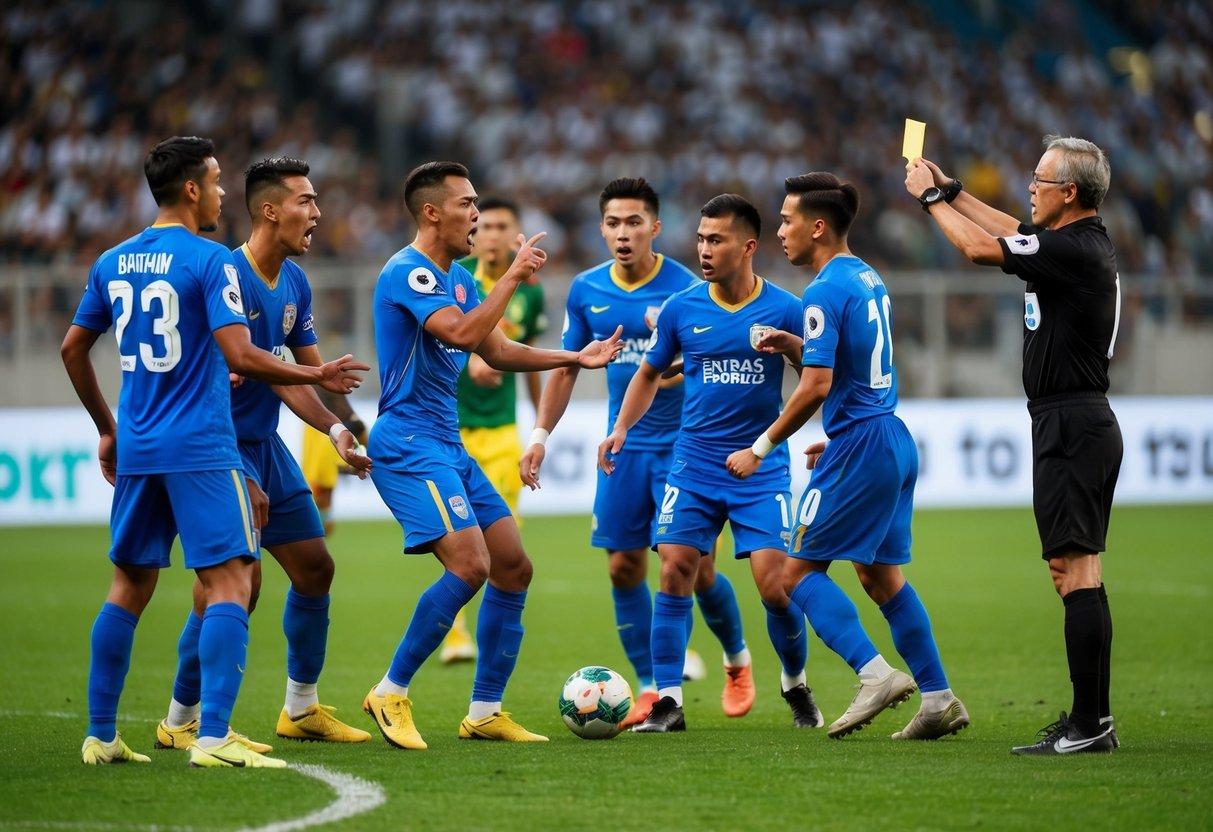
x: 870, y: 700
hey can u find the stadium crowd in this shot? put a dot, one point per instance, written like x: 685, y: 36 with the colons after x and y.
x: 546, y: 101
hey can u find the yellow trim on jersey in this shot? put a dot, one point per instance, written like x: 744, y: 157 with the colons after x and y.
x: 746, y: 301
x: 252, y: 261
x: 167, y: 224
x: 244, y: 512
x: 446, y: 518
x: 799, y: 538
x: 632, y: 287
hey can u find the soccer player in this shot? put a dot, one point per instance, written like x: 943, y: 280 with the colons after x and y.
x: 628, y: 290
x: 278, y: 303
x: 174, y: 301
x: 860, y: 500
x: 488, y: 398
x: 732, y: 389
x: 428, y: 317
x: 1071, y: 315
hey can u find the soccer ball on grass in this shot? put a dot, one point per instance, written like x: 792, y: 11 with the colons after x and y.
x: 594, y: 701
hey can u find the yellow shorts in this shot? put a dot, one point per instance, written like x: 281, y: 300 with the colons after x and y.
x: 497, y: 451
x: 321, y: 462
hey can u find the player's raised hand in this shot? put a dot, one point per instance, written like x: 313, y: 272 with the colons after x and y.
x: 918, y: 178
x: 813, y: 453
x: 353, y: 453
x: 341, y: 375
x: 601, y: 353
x: 528, y: 259
x: 778, y: 341
x: 260, y: 503
x: 610, y: 446
x: 742, y: 463
x: 529, y: 465
x: 107, y: 455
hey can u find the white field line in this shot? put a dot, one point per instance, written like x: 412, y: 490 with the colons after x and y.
x: 354, y: 796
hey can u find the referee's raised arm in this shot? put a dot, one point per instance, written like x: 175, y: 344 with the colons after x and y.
x: 1071, y: 318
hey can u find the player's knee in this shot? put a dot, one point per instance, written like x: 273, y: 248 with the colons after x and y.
x: 316, y: 577
x: 473, y: 571
x: 773, y: 593
x: 627, y: 571
x: 705, y: 576
x: 678, y: 571
x: 523, y: 572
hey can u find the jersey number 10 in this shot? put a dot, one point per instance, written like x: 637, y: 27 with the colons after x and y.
x: 880, y: 379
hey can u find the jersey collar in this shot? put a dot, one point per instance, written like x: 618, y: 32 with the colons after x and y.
x: 167, y: 225
x: 252, y: 261
x: 746, y: 301
x: 632, y: 287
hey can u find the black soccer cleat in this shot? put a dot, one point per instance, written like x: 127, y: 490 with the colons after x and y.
x: 805, y: 713
x: 1065, y: 737
x: 666, y: 717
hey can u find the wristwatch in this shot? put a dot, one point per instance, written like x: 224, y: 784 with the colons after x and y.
x: 929, y: 197
x: 952, y: 190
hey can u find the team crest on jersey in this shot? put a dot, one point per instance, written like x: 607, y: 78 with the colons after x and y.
x: 814, y: 323
x: 756, y: 333
x: 288, y: 318
x: 461, y: 294
x: 422, y: 280
x: 650, y: 316
x: 459, y: 506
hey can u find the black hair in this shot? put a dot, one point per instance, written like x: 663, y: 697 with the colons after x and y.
x: 269, y: 173
x: 825, y: 194
x: 172, y: 163
x: 498, y: 203
x: 419, y: 185
x: 629, y: 188
x: 737, y: 207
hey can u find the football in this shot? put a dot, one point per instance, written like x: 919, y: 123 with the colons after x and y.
x: 594, y: 702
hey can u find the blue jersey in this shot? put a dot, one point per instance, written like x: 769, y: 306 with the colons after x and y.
x: 598, y: 302
x: 164, y: 291
x: 417, y: 372
x: 848, y: 326
x: 733, y: 391
x: 279, y: 314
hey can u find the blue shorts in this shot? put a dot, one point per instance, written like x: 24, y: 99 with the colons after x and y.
x: 433, y: 487
x: 210, y: 510
x: 293, y: 512
x: 696, y: 504
x: 625, y: 504
x: 860, y: 498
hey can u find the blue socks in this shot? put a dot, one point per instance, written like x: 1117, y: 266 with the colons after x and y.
x: 435, y: 612
x: 305, y: 621
x: 718, y: 603
x: 787, y: 631
x: 112, y: 639
x: 669, y: 639
x: 912, y: 637
x: 834, y: 619
x: 498, y: 640
x: 634, y: 620
x: 187, y: 687
x: 222, y: 652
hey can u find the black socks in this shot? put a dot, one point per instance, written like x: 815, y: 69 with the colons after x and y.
x: 1088, y: 647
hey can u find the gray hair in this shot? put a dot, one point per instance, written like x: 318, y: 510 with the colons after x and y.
x: 1084, y: 164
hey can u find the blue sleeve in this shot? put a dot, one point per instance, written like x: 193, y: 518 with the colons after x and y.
x: 576, y: 333
x: 823, y: 307
x: 303, y: 333
x: 221, y: 289
x: 416, y: 289
x: 664, y: 344
x: 95, y: 311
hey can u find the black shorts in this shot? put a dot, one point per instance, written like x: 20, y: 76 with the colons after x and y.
x: 1076, y: 453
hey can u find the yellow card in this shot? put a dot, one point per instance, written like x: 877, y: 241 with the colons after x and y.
x: 916, y: 134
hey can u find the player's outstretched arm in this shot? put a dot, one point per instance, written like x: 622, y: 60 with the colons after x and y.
x: 814, y: 386
x: 989, y: 218
x: 636, y: 402
x: 246, y: 359
x: 501, y: 353
x: 971, y: 239
x: 553, y: 401
x: 77, y: 345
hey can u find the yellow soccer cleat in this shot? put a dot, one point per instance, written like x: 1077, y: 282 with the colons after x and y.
x: 183, y: 736
x: 317, y: 724
x: 233, y: 753
x: 458, y: 646
x: 499, y: 726
x: 394, y: 716
x: 98, y: 753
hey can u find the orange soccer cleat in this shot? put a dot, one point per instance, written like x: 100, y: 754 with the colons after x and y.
x: 738, y: 695
x: 640, y: 709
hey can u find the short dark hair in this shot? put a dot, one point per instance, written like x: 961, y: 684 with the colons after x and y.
x: 737, y: 207
x: 825, y: 194
x: 172, y: 163
x: 270, y: 173
x: 498, y: 203
x: 629, y: 188
x: 422, y: 180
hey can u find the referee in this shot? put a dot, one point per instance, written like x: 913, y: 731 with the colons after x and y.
x: 1071, y: 314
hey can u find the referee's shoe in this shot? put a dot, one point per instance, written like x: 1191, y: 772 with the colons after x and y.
x: 1065, y: 737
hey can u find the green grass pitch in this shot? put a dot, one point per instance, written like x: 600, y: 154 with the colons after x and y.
x: 995, y: 615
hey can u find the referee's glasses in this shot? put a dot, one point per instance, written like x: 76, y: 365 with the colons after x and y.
x: 1037, y: 181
